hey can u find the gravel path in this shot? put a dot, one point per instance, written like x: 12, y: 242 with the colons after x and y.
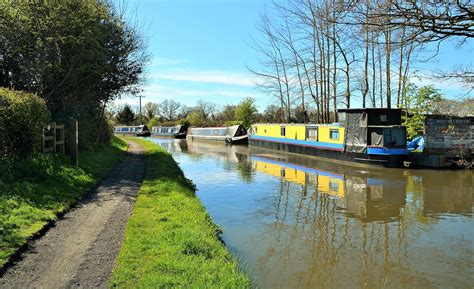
x: 80, y: 250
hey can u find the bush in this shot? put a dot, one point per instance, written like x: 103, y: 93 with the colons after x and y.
x: 23, y: 117
x: 232, y: 123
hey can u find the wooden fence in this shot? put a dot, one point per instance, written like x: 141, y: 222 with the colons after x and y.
x: 53, y: 139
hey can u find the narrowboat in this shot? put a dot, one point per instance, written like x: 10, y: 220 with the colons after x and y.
x: 137, y: 130
x: 236, y: 134
x: 177, y: 131
x: 370, y: 135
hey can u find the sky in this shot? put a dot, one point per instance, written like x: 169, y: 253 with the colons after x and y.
x: 200, y: 50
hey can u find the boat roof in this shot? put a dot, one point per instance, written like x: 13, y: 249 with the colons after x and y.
x: 300, y: 124
x: 167, y: 126
x: 216, y: 127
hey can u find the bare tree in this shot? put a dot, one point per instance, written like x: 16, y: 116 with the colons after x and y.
x: 169, y: 109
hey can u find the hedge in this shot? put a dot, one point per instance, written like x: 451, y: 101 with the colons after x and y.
x: 22, y: 119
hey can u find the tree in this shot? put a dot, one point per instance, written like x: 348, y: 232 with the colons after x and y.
x: 169, y: 109
x: 126, y: 116
x: 195, y: 118
x: 227, y: 114
x: 150, y: 111
x: 246, y: 112
x: 78, y: 55
x: 420, y: 102
x: 273, y: 114
x: 206, y: 108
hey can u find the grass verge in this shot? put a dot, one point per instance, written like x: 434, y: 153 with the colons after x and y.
x: 45, y: 187
x: 170, y: 239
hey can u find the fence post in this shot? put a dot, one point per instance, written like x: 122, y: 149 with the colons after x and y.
x: 73, y: 134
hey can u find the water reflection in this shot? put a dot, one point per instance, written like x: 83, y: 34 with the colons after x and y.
x: 297, y: 222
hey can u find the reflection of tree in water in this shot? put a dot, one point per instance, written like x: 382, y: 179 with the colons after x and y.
x: 310, y: 244
x: 244, y: 167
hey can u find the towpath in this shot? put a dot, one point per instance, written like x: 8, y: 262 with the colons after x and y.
x: 80, y: 250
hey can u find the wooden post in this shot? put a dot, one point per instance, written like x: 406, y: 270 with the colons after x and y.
x: 73, y: 134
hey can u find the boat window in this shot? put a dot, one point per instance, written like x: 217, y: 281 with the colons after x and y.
x: 333, y: 186
x: 334, y: 134
x: 376, y: 137
x: 383, y: 118
x: 394, y: 137
x: 312, y: 133
x: 283, y: 131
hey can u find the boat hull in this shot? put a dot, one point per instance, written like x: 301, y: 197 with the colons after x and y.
x: 334, y: 154
x: 144, y: 134
x: 226, y: 139
x: 177, y: 135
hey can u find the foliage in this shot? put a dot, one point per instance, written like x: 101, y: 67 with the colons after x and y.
x: 196, y: 118
x: 419, y: 102
x: 232, y: 123
x: 170, y: 240
x: 455, y: 107
x: 78, y: 55
x: 273, y: 114
x: 227, y: 113
x: 126, y: 116
x: 246, y: 112
x: 45, y: 186
x: 153, y: 122
x: 23, y: 117
x: 150, y: 111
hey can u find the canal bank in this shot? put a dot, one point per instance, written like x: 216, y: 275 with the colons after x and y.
x: 170, y: 240
x: 47, y: 188
x: 79, y: 249
x: 300, y: 222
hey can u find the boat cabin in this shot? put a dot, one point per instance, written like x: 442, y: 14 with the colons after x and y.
x: 177, y: 131
x: 373, y: 130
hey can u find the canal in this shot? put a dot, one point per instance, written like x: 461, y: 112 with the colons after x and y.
x: 299, y: 222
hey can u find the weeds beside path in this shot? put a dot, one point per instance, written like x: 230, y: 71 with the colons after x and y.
x: 48, y: 187
x: 170, y: 239
x: 80, y: 250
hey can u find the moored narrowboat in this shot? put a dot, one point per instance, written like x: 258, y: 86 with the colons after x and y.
x: 177, y: 131
x: 370, y: 135
x: 236, y: 134
x: 137, y: 130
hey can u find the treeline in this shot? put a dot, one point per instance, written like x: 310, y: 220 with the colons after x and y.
x: 78, y: 55
x: 170, y: 112
x: 319, y: 55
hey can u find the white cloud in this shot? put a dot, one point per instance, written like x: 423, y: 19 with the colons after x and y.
x: 207, y: 76
x: 189, y: 96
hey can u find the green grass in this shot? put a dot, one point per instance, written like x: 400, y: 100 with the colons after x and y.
x: 170, y: 239
x: 46, y: 186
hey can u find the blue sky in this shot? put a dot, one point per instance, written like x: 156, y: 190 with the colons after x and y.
x: 200, y: 50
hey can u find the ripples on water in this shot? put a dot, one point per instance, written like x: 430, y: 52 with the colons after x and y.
x: 299, y: 222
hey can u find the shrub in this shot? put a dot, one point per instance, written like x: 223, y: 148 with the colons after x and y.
x: 22, y: 119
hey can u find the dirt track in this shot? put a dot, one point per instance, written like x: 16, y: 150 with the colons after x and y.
x: 80, y: 250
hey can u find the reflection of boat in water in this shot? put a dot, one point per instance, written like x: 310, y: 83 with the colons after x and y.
x: 177, y: 131
x: 372, y: 136
x: 368, y: 199
x: 236, y: 134
x: 327, y: 182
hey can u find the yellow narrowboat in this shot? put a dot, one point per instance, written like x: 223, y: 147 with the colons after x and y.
x: 373, y: 136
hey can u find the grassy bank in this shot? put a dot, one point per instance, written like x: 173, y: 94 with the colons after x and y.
x: 170, y: 239
x: 44, y: 187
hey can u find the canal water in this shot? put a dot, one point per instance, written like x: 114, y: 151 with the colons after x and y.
x: 301, y: 222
